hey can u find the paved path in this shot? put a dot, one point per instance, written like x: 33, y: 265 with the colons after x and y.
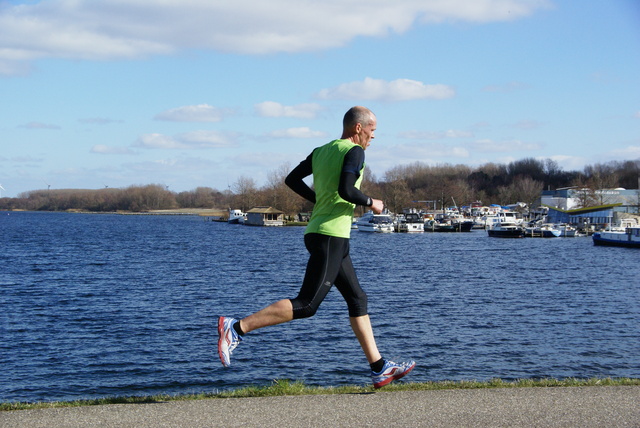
x: 600, y: 406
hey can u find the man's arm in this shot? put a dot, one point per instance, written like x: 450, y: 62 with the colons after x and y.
x: 353, y: 163
x: 295, y: 180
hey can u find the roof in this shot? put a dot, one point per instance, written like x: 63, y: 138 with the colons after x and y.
x: 585, y: 209
x: 265, y: 210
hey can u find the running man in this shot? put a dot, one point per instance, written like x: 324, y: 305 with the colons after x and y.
x: 337, y: 169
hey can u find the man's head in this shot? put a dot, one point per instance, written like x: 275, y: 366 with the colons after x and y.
x: 359, y: 125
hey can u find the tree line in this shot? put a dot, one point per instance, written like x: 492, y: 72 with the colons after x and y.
x: 416, y: 185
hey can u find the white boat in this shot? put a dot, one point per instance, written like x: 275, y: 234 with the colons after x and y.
x: 236, y: 217
x: 411, y: 222
x: 568, y: 231
x: 546, y: 230
x: 490, y: 220
x: 625, y: 235
x: 506, y: 230
x: 379, y: 223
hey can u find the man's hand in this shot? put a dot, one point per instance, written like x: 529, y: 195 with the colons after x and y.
x: 377, y: 206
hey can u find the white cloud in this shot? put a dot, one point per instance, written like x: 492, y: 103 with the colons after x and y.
x: 385, y: 158
x: 382, y: 90
x: 196, y: 113
x: 422, y: 135
x: 568, y: 163
x: 491, y: 146
x: 187, y: 140
x: 39, y: 125
x: 528, y: 125
x: 629, y: 152
x: 172, y: 165
x: 300, y: 111
x: 263, y: 161
x: 302, y: 132
x: 115, y: 29
x: 111, y: 150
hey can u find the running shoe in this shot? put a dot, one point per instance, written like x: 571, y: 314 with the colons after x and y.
x: 391, y: 371
x: 228, y: 339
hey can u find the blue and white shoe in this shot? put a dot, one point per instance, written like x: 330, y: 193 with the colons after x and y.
x: 391, y: 371
x: 228, y: 339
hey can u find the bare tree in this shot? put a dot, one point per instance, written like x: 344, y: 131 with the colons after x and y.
x: 246, y: 190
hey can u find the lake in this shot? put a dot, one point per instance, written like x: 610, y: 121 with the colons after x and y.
x: 98, y: 305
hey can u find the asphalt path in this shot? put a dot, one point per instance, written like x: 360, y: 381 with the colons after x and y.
x: 593, y: 406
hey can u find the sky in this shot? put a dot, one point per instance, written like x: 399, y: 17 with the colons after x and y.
x: 201, y: 93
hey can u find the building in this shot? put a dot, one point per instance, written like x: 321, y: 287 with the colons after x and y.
x: 264, y: 216
x: 587, y: 208
x: 569, y: 198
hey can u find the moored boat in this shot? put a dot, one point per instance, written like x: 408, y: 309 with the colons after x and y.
x: 236, y: 217
x: 506, y: 230
x: 545, y: 230
x: 568, y: 231
x: 618, y: 237
x: 448, y: 223
x: 380, y: 223
x: 505, y: 217
x: 411, y: 222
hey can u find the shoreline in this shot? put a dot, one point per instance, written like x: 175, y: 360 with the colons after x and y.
x: 284, y: 387
x: 493, y: 407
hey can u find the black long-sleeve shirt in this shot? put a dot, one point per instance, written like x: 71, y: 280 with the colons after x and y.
x: 351, y: 167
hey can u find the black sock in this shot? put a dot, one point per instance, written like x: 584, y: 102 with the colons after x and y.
x: 237, y: 328
x: 377, y: 366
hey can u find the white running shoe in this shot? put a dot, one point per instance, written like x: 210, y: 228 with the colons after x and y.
x: 228, y: 339
x: 391, y: 371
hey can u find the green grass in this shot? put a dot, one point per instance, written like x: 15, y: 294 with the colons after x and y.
x: 282, y: 387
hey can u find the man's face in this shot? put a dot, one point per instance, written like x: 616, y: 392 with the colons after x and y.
x: 367, y: 133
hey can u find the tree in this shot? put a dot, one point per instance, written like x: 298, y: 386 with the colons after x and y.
x: 525, y: 189
x: 278, y: 193
x: 396, y: 195
x: 246, y: 190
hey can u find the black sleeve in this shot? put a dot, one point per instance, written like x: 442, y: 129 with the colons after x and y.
x: 353, y: 163
x: 296, y: 183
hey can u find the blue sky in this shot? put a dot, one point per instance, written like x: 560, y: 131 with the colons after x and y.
x: 200, y: 93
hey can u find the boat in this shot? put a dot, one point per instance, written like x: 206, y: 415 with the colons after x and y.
x: 568, y: 231
x: 450, y: 223
x: 545, y: 230
x: 236, y: 217
x: 489, y: 220
x: 626, y: 235
x: 411, y: 222
x: 506, y: 230
x: 379, y: 223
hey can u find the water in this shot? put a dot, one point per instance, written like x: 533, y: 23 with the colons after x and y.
x: 111, y: 305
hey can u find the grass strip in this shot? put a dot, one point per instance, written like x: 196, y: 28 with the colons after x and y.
x: 281, y: 387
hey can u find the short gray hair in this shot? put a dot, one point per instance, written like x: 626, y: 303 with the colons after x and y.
x: 355, y: 115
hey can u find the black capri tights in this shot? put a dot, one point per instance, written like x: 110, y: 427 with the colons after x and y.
x: 329, y: 263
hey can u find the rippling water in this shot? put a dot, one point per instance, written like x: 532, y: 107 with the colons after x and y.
x: 102, y: 305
